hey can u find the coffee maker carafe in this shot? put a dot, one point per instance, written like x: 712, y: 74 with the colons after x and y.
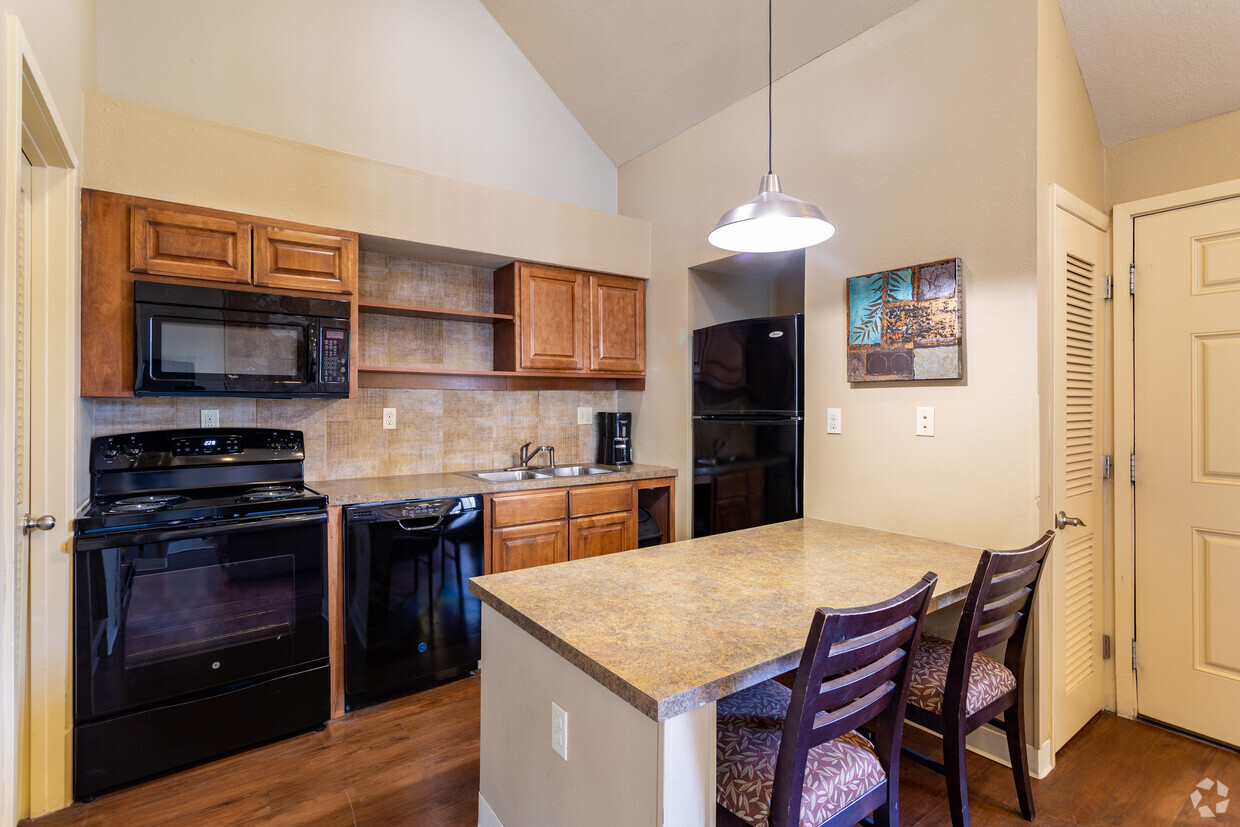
x: 615, y: 445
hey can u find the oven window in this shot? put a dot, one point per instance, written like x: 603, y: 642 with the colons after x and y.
x: 176, y: 614
x: 191, y: 347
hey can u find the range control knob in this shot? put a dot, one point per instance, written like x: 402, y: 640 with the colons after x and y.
x: 133, y: 449
x: 109, y: 451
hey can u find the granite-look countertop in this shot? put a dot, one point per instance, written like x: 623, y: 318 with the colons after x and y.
x: 673, y: 627
x: 422, y: 486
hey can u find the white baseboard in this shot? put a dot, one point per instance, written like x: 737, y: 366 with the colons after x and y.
x: 487, y: 816
x: 991, y: 743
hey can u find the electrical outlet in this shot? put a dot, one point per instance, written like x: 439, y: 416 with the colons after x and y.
x: 925, y: 422
x: 559, y: 730
x: 209, y: 418
x: 833, y: 420
x: 389, y: 419
x: 585, y: 416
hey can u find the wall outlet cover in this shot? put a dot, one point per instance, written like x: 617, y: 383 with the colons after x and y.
x: 833, y: 420
x: 389, y: 419
x: 559, y: 730
x: 925, y: 422
x: 209, y: 418
x: 585, y: 416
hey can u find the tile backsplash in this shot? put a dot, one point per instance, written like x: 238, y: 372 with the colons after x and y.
x: 436, y: 430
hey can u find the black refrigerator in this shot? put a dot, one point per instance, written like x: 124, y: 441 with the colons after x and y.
x: 748, y: 423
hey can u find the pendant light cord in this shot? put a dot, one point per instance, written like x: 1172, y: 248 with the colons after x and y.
x: 770, y: 82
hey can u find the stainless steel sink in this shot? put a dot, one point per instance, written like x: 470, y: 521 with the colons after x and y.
x: 540, y: 473
x: 504, y: 476
x: 577, y: 470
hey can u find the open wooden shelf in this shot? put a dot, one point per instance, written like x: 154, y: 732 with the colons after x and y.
x: 375, y: 376
x: 410, y: 311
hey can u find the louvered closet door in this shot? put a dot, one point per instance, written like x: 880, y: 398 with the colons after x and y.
x: 1079, y: 250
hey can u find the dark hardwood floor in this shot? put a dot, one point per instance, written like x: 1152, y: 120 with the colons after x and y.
x: 415, y: 761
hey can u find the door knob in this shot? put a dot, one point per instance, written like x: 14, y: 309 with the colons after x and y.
x: 45, y: 523
x: 1062, y: 520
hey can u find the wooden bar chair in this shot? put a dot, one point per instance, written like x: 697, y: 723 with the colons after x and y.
x: 956, y: 689
x: 792, y: 757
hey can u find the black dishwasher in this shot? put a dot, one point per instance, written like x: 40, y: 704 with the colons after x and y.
x: 410, y: 619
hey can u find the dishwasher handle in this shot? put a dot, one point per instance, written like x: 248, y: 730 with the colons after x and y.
x: 427, y: 527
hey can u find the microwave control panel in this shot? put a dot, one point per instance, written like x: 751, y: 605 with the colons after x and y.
x: 334, y: 360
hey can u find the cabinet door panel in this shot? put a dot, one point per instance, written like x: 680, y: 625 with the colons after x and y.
x: 298, y: 260
x: 604, y: 534
x: 182, y: 243
x: 552, y: 319
x: 617, y: 324
x: 525, y: 546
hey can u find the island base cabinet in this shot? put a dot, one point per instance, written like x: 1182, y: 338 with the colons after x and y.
x: 523, y: 546
x: 603, y: 534
x: 623, y: 768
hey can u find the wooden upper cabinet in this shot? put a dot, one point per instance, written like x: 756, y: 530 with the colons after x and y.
x: 298, y: 260
x: 168, y: 242
x: 570, y: 321
x: 617, y: 324
x: 552, y: 322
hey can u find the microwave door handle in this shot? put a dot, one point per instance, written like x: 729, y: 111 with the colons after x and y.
x: 312, y: 375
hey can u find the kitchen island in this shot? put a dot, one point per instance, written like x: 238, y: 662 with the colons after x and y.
x: 637, y: 647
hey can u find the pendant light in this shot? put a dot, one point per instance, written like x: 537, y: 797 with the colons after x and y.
x: 772, y: 222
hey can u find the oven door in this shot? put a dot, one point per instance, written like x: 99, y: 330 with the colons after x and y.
x: 215, y: 351
x: 166, y: 614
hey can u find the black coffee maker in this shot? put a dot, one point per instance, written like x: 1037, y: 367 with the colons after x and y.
x: 615, y: 445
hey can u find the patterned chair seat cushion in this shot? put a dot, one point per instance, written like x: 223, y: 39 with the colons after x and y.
x: 988, y: 681
x: 750, y: 725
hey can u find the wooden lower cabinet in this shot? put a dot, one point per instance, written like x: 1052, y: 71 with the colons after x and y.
x: 601, y: 534
x: 525, y: 546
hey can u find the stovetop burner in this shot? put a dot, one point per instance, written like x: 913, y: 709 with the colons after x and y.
x: 269, y: 492
x: 151, y: 502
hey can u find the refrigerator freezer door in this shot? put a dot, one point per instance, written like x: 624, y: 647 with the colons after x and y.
x: 753, y: 366
x: 746, y: 473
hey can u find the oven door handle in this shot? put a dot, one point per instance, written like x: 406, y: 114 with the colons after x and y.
x: 189, y: 532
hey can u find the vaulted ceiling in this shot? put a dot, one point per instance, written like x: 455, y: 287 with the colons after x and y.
x: 638, y: 73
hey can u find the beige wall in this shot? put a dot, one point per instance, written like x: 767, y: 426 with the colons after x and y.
x: 157, y: 153
x: 433, y: 86
x: 62, y: 38
x: 916, y: 139
x: 1201, y: 153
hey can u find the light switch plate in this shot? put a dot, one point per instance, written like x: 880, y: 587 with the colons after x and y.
x: 208, y: 418
x: 389, y: 419
x: 585, y: 416
x: 925, y: 422
x: 833, y: 420
x: 559, y: 730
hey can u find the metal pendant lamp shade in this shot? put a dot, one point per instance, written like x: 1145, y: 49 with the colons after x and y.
x: 772, y: 222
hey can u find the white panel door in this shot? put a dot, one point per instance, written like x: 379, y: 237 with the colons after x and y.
x: 1187, y: 432
x: 1076, y: 562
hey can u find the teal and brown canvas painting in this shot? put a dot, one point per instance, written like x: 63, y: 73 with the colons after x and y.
x: 905, y: 324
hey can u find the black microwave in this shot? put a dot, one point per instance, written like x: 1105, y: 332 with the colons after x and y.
x: 203, y: 341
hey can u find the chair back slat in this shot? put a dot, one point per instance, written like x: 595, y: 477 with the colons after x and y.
x: 996, y: 610
x: 848, y: 655
x: 840, y: 690
x: 1005, y: 606
x: 831, y: 725
x: 855, y: 669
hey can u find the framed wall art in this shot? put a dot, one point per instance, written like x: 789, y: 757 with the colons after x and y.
x: 905, y: 324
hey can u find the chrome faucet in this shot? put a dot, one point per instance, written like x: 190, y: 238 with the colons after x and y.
x: 526, y: 455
